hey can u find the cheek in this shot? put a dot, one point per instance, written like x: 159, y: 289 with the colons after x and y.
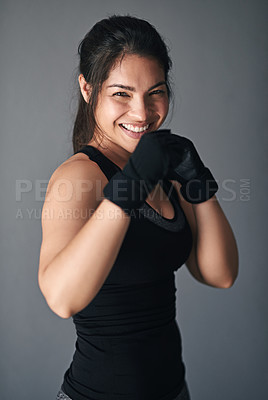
x: 163, y: 108
x: 110, y: 111
x: 116, y: 110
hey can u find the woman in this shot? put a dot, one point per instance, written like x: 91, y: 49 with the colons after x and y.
x: 130, y: 206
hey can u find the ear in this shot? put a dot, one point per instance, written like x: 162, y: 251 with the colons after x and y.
x: 84, y: 87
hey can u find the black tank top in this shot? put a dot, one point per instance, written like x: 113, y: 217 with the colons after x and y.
x: 128, y: 343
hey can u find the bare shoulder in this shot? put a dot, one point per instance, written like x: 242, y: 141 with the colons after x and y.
x: 77, y: 184
x: 74, y: 191
x: 75, y: 169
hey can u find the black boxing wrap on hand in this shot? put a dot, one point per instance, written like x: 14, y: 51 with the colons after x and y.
x: 129, y: 194
x: 197, y: 181
x: 199, y: 189
x: 148, y: 164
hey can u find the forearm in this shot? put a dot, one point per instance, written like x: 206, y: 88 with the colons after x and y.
x: 73, y: 278
x: 216, y: 249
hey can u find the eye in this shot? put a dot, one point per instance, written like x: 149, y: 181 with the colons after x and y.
x: 159, y: 91
x: 121, y: 94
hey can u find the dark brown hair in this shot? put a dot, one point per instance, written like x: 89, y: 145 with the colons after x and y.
x: 109, y: 40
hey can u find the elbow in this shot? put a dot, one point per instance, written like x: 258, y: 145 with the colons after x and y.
x: 229, y: 281
x: 227, y: 284
x: 58, y: 307
x: 63, y: 315
x: 55, y: 304
x: 232, y: 266
x: 224, y: 280
x: 220, y: 283
x: 59, y: 310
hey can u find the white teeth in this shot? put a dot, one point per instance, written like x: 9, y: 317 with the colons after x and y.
x: 135, y: 129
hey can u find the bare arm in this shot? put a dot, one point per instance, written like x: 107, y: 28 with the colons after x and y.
x: 78, y: 252
x: 214, y: 256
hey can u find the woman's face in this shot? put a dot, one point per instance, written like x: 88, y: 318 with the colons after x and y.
x: 133, y: 100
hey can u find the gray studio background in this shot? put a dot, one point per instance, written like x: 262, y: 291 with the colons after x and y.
x: 219, y: 52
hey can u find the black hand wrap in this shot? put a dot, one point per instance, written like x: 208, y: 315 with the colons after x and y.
x: 199, y: 189
x: 198, y: 183
x: 148, y: 164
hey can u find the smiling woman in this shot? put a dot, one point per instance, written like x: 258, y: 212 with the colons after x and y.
x: 102, y: 52
x: 138, y: 109
x: 150, y: 199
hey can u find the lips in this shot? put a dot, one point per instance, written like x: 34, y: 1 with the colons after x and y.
x: 135, y: 134
x: 137, y: 129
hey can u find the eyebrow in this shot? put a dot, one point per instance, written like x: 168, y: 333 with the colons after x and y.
x: 132, y: 89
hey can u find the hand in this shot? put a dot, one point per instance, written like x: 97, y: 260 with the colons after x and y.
x: 198, y: 184
x: 150, y: 160
x: 148, y: 164
x: 184, y: 159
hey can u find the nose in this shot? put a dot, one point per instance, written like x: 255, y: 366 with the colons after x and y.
x: 140, y: 110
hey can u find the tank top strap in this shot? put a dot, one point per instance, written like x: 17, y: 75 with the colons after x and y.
x: 106, y: 165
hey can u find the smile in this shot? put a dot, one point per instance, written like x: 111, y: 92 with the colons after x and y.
x: 135, y: 128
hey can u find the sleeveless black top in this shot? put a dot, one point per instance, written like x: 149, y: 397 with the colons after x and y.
x: 128, y: 343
